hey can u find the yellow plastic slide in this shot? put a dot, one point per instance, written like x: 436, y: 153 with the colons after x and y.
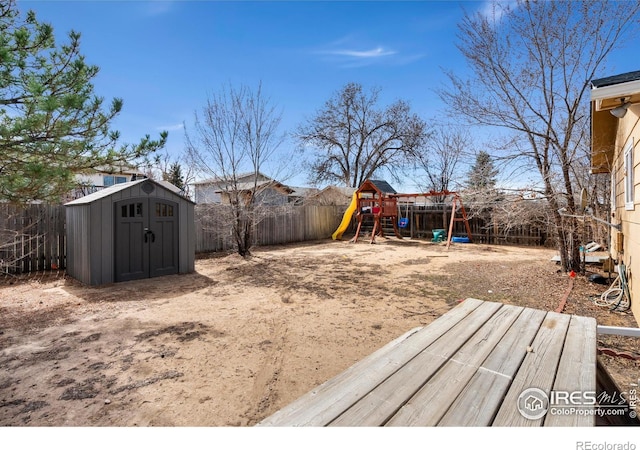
x: 346, y: 219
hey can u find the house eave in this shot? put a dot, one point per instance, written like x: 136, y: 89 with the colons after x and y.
x: 609, y: 97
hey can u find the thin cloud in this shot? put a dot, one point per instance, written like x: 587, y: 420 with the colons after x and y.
x: 158, y: 7
x: 175, y: 127
x: 377, y: 52
x: 347, y: 54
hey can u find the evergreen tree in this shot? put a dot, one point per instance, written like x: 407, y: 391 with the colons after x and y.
x: 52, y: 125
x: 174, y: 175
x: 480, y: 191
x: 482, y: 176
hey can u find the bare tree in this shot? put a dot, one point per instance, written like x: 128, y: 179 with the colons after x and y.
x: 19, y: 236
x: 519, y: 209
x: 598, y: 190
x: 439, y: 161
x: 354, y: 138
x: 11, y: 246
x: 233, y: 138
x: 443, y: 151
x: 532, y: 62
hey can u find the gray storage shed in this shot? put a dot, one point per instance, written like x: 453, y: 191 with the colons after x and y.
x: 128, y: 231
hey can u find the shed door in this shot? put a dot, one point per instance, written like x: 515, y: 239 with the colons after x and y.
x: 146, y: 238
x: 163, y: 225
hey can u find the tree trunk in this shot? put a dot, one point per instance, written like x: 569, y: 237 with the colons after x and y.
x: 568, y: 239
x: 568, y: 242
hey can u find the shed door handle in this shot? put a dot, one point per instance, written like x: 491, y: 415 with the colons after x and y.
x: 148, y: 232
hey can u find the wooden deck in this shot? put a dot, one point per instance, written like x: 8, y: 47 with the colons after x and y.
x: 467, y: 368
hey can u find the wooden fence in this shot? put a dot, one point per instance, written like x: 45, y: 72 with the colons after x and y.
x: 276, y: 225
x: 33, y: 238
x: 423, y: 220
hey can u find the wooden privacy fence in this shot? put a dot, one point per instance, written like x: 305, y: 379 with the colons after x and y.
x: 423, y: 220
x: 33, y: 238
x: 275, y: 225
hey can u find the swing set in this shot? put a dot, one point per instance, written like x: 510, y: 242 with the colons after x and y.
x: 376, y: 200
x: 458, y: 214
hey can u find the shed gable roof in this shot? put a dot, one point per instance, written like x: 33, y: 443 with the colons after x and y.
x: 103, y: 193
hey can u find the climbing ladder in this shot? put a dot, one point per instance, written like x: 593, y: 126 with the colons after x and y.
x: 379, y: 222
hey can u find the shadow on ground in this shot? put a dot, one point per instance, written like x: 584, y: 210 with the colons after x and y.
x: 140, y: 290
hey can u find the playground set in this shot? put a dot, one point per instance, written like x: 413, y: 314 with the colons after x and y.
x: 377, y: 201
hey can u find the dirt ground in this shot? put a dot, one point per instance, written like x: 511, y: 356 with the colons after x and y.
x: 239, y: 339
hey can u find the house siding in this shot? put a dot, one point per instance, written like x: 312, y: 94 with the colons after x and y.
x: 625, y: 245
x: 206, y: 194
x: 217, y: 190
x: 272, y: 197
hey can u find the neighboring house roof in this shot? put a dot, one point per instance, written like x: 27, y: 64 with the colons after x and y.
x: 116, y: 169
x: 346, y: 191
x: 303, y: 192
x: 331, y: 195
x: 252, y: 180
x: 238, y: 177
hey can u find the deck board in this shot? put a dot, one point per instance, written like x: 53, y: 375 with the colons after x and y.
x: 467, y: 368
x: 377, y: 406
x: 428, y: 406
x: 538, y: 370
x: 579, y: 351
x: 479, y: 401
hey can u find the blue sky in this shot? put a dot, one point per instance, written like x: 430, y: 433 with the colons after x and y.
x: 165, y: 57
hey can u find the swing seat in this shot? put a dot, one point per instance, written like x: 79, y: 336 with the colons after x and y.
x: 438, y: 235
x: 403, y: 222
